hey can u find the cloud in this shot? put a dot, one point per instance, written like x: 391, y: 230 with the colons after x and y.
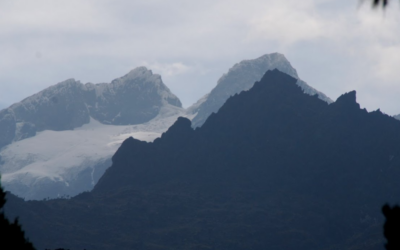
x: 168, y: 69
x: 334, y: 46
x: 388, y: 64
x: 288, y: 22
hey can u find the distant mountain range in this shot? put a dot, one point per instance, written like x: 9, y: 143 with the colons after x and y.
x: 241, y: 77
x: 397, y: 117
x: 60, y: 141
x: 132, y: 99
x: 274, y: 168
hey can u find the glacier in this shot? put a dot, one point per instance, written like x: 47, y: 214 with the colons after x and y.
x: 59, y: 157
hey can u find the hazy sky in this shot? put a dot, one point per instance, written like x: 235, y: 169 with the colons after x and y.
x: 334, y: 45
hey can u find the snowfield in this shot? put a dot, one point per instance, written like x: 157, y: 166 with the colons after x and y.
x: 61, y: 156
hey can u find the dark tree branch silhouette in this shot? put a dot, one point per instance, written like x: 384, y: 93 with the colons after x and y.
x: 378, y: 3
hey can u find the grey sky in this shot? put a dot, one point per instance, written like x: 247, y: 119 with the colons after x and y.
x: 334, y: 45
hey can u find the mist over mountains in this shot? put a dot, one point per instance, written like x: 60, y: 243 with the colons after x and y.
x: 60, y: 141
x: 273, y: 168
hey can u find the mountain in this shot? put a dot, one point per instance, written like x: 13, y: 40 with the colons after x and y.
x: 134, y: 98
x: 397, y: 117
x: 242, y: 77
x: 59, y: 141
x: 274, y: 168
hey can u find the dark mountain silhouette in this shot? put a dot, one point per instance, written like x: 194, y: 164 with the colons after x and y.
x: 273, y: 169
x: 241, y: 77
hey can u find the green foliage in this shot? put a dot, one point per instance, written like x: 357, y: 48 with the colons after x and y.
x: 11, y: 234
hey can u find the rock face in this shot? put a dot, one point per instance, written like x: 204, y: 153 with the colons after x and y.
x: 241, y: 77
x: 59, y: 141
x: 132, y: 99
x: 273, y: 169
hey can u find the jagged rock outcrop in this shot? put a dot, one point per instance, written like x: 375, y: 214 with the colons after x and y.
x: 242, y: 77
x: 132, y: 99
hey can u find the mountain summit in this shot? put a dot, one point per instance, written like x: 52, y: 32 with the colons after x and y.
x: 274, y: 168
x: 132, y: 99
x: 59, y: 141
x: 241, y: 77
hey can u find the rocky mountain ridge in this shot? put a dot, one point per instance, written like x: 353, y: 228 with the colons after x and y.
x: 62, y: 138
x: 241, y: 77
x: 132, y: 99
x: 274, y: 168
x: 59, y: 141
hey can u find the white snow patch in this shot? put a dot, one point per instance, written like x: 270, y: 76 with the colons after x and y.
x: 62, y: 155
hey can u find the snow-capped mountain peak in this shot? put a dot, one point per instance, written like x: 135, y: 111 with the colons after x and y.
x: 61, y: 139
x: 134, y: 98
x: 140, y: 72
x: 272, y: 60
x: 137, y: 76
x: 242, y: 76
